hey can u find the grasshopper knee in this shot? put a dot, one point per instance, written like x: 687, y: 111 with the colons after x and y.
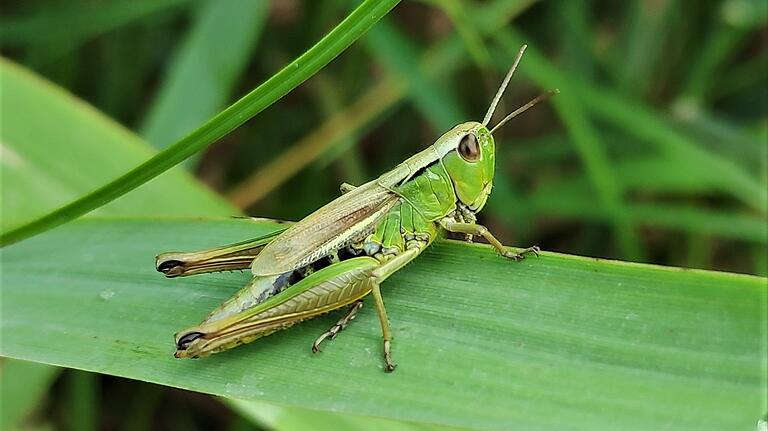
x: 187, y: 339
x: 346, y: 188
x: 169, y: 267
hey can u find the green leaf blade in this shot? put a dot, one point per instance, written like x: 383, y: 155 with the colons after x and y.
x: 53, y: 154
x: 481, y: 342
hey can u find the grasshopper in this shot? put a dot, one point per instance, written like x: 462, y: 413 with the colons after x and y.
x: 342, y: 252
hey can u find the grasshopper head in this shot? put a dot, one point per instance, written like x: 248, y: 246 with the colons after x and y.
x: 471, y: 164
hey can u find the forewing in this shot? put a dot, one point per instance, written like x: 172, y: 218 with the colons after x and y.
x: 346, y: 219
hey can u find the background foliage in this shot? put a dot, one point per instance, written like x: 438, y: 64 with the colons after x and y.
x: 656, y: 150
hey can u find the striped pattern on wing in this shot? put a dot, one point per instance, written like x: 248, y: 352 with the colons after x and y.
x: 347, y: 219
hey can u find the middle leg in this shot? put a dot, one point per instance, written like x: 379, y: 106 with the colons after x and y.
x: 338, y: 327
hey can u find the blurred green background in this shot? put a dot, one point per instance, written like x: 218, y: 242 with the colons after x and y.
x: 655, y: 151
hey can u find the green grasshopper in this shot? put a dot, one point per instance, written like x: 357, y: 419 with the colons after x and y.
x: 342, y: 252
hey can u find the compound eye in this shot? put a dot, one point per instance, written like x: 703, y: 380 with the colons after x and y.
x: 468, y: 148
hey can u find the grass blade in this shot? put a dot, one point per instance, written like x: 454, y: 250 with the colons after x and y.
x: 343, y: 35
x: 293, y: 419
x: 310, y: 147
x: 399, y: 54
x: 641, y: 122
x: 82, y: 401
x: 52, y: 155
x: 559, y: 339
x: 647, y: 29
x: 47, y: 159
x: 200, y: 80
x: 77, y: 22
x: 22, y: 386
x: 472, y: 39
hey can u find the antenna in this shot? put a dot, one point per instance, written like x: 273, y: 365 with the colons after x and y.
x: 527, y: 106
x: 503, y: 86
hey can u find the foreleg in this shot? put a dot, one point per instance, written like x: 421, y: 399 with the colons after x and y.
x: 478, y: 229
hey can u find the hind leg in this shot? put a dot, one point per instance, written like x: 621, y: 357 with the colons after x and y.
x: 230, y: 257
